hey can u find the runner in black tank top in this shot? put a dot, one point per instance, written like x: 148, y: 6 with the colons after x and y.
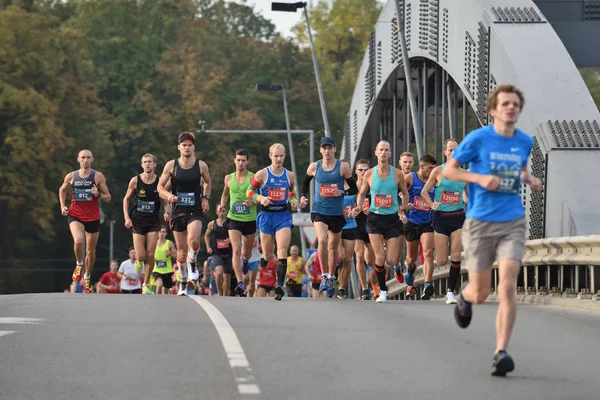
x: 185, y: 183
x: 219, y: 247
x: 141, y: 216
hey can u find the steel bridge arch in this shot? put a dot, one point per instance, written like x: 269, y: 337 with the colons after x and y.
x: 471, y: 46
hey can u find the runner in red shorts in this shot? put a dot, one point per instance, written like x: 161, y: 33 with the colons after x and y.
x: 83, y: 213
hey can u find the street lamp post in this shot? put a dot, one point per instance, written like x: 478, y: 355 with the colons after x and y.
x: 293, y: 7
x: 272, y: 89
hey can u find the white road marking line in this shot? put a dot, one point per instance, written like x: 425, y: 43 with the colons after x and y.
x: 18, y: 320
x: 6, y: 333
x: 246, y: 382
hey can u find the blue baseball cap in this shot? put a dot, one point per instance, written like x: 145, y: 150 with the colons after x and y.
x: 327, y: 141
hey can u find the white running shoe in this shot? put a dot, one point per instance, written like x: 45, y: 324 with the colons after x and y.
x: 382, y: 297
x: 450, y: 298
x: 182, y: 289
x: 193, y: 272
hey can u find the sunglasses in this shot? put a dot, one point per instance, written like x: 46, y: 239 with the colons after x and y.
x: 362, y: 169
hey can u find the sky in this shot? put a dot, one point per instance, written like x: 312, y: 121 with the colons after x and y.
x: 284, y: 21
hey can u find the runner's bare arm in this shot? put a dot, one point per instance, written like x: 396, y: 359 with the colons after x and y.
x: 532, y: 181
x: 209, y: 229
x: 225, y: 194
x: 62, y: 192
x: 364, y: 188
x: 310, y: 260
x: 401, y: 182
x: 455, y: 173
x: 172, y: 249
x: 207, y: 184
x: 431, y: 182
x: 130, y: 191
x: 165, y: 179
x: 103, y: 189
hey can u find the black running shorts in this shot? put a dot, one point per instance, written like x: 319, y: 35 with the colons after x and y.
x: 389, y: 226
x: 245, y: 227
x: 89, y: 226
x: 334, y: 223
x: 143, y: 226
x: 447, y: 222
x: 413, y: 232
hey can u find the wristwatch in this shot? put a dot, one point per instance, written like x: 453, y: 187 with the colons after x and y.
x: 205, y: 197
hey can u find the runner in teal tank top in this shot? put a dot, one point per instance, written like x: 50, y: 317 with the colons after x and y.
x: 383, y: 223
x: 448, y: 218
x: 241, y: 218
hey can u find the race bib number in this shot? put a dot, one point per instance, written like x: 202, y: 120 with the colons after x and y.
x: 186, y: 199
x: 276, y: 193
x: 348, y: 212
x: 239, y: 209
x: 327, y: 189
x: 451, y: 198
x: 222, y: 243
x: 83, y: 194
x: 510, y: 181
x: 421, y: 204
x: 383, y: 200
x: 293, y: 275
x: 366, y: 203
x: 161, y: 263
x: 133, y: 282
x: 145, y: 206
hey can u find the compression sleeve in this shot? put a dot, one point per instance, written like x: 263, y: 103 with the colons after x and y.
x: 251, y: 192
x: 353, y: 189
x: 306, y: 185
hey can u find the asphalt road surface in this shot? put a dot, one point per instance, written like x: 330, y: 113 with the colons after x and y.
x: 67, y: 346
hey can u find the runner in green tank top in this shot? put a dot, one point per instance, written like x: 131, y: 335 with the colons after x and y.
x: 448, y: 218
x: 241, y: 219
x: 163, y: 263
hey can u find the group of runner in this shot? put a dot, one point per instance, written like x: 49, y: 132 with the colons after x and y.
x: 368, y: 214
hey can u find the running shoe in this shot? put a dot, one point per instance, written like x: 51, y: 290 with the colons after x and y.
x: 411, y: 290
x: 87, y: 286
x: 382, y: 297
x: 463, y: 311
x: 450, y: 298
x: 279, y: 293
x: 502, y: 364
x: 427, y: 291
x: 193, y: 273
x: 399, y: 274
x: 342, y: 295
x: 77, y: 275
x: 366, y: 294
x: 245, y: 266
x: 323, y: 285
x: 146, y: 289
x: 240, y: 290
x: 330, y: 291
x: 182, y: 289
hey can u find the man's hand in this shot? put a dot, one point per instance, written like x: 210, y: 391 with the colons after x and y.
x: 265, y: 201
x: 128, y: 223
x: 489, y: 182
x: 535, y: 183
x: 303, y: 201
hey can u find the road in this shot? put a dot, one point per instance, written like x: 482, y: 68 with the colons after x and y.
x: 155, y: 347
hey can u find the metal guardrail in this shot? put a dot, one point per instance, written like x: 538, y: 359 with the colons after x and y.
x: 564, y: 266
